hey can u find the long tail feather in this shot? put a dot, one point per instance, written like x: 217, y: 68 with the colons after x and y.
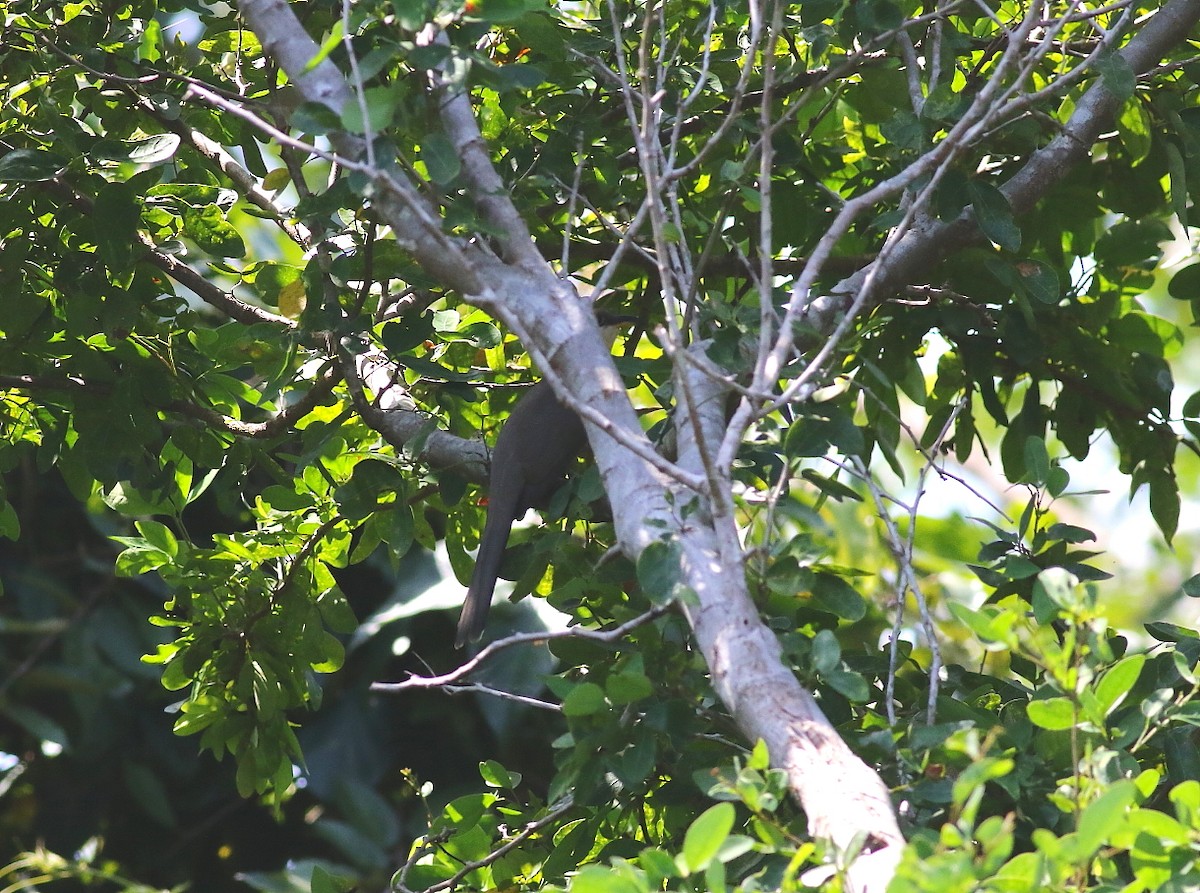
x: 502, y: 511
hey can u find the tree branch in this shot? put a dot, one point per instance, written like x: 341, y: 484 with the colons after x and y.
x: 1094, y: 113
x: 207, y: 291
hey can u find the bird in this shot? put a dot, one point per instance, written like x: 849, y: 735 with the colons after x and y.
x: 533, y: 454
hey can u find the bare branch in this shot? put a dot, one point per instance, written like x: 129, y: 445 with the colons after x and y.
x: 401, y: 424
x: 488, y: 190
x: 414, y: 221
x: 606, y: 636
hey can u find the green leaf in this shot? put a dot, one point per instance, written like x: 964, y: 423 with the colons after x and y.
x: 1191, y: 586
x: 978, y: 774
x: 315, y: 118
x: 853, y: 686
x: 836, y: 595
x: 323, y: 882
x: 403, y: 335
x: 1069, y: 533
x: 496, y: 776
x: 175, y: 675
x: 634, y: 763
x: 36, y: 724
x: 1185, y: 284
x: 1117, y: 682
x: 159, y: 536
x: 331, y: 42
x: 209, y: 229
x: 659, y: 571
x: 1170, y: 632
x: 1164, y: 503
x: 1040, y: 281
x: 834, y: 489
x: 506, y: 78
x: 826, y: 652
x: 332, y: 656
x: 1136, y: 130
x: 154, y: 149
x: 117, y: 205
x: 441, y: 159
x: 150, y: 793
x: 10, y: 524
x: 139, y: 558
x: 297, y: 877
x: 503, y: 10
x: 601, y: 879
x: 1118, y: 77
x: 734, y: 846
x: 30, y: 166
x: 1186, y: 797
x: 584, y: 699
x: 658, y: 864
x: 411, y: 14
x: 994, y: 216
x: 1037, y: 460
x: 380, y: 103
x: 1105, y: 815
x: 628, y: 687
x: 1177, y: 173
x: 124, y: 498
x: 704, y: 838
x: 1056, y: 714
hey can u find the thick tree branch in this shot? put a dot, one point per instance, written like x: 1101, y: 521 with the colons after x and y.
x: 207, y: 291
x: 843, y: 797
x: 395, y: 416
x: 209, y: 148
x: 414, y: 221
x: 488, y: 190
x: 559, y: 330
x: 273, y: 426
x: 924, y: 245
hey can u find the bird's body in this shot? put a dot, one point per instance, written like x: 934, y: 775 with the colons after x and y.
x: 530, y: 461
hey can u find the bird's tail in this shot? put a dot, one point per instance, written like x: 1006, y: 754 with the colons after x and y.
x: 501, y: 514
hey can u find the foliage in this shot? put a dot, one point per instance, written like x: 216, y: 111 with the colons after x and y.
x: 192, y: 303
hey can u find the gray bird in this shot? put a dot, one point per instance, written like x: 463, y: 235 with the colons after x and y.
x: 531, y: 459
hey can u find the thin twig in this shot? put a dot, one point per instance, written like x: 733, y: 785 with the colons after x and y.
x: 530, y: 829
x: 493, y: 648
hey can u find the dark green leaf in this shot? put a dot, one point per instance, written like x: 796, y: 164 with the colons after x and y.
x: 1037, y: 460
x: 1185, y: 284
x: 117, y: 206
x: 660, y: 572
x: 1040, y: 281
x: 994, y: 216
x: 1164, y: 503
x: 440, y: 157
x: 1118, y: 77
x: 30, y: 166
x: 836, y: 595
x: 210, y: 230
